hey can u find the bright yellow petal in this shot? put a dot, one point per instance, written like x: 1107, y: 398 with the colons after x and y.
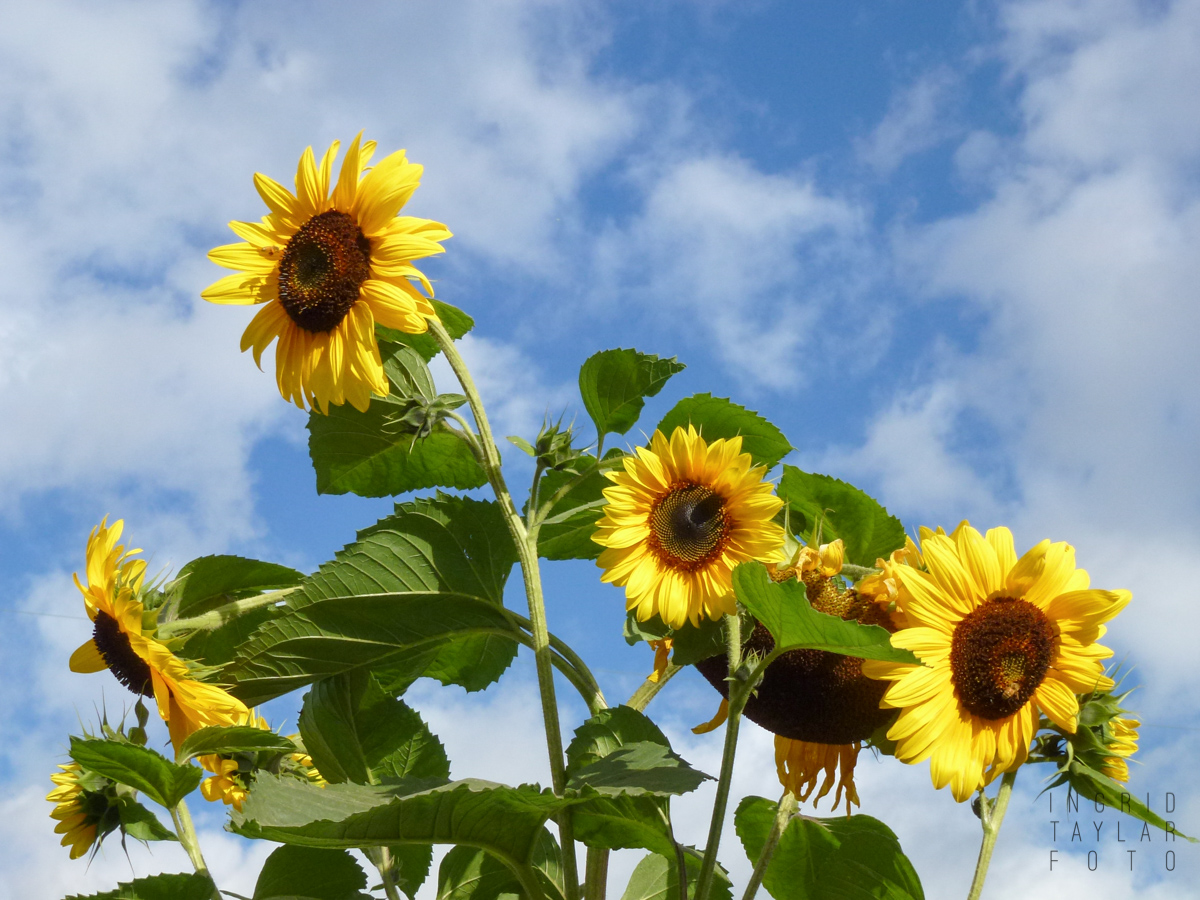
x: 87, y: 658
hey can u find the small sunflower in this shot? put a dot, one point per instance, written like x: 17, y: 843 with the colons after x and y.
x: 1000, y: 639
x: 230, y: 779
x: 819, y: 705
x: 80, y: 813
x: 121, y: 644
x: 677, y: 521
x: 328, y: 267
x: 1121, y: 743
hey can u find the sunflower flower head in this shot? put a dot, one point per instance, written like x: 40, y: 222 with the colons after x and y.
x: 121, y: 642
x: 82, y: 808
x: 678, y: 519
x: 819, y: 705
x: 230, y: 780
x: 1121, y: 742
x: 1001, y: 639
x: 327, y: 263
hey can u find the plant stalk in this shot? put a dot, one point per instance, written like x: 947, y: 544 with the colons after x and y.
x: 649, y: 688
x: 737, y: 700
x: 186, y: 832
x: 227, y: 612
x: 992, y: 817
x: 596, y: 878
x: 783, y: 815
x: 526, y: 544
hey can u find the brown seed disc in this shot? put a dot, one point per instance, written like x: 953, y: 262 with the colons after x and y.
x: 999, y: 655
x: 323, y: 266
x: 689, y: 526
x: 113, y: 643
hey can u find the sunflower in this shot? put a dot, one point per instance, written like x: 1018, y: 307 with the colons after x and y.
x: 1122, y: 743
x: 678, y: 519
x: 819, y: 705
x: 1001, y: 639
x: 78, y: 811
x: 328, y: 267
x: 121, y: 644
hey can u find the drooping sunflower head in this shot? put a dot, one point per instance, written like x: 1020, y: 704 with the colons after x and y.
x: 121, y: 642
x: 819, y: 705
x: 83, y: 815
x: 328, y: 264
x: 1001, y: 639
x: 678, y: 519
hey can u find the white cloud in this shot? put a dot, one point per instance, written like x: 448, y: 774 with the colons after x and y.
x: 916, y: 120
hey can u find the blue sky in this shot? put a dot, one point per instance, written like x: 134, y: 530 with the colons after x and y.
x: 949, y: 248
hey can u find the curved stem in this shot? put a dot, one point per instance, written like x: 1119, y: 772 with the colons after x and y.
x: 737, y: 700
x: 186, y: 832
x: 581, y: 681
x: 991, y: 814
x: 526, y: 544
x: 783, y: 815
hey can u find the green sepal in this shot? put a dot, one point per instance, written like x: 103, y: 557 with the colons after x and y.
x: 456, y: 322
x: 188, y: 886
x: 868, y: 531
x: 140, y: 768
x: 614, y: 385
x: 230, y: 739
x: 784, y: 610
x: 841, y: 858
x: 716, y: 418
x: 310, y: 873
x: 141, y: 824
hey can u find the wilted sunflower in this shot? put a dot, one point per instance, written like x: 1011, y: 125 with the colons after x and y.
x: 1000, y: 638
x: 819, y: 705
x: 79, y: 812
x: 121, y: 644
x: 329, y: 266
x: 677, y: 521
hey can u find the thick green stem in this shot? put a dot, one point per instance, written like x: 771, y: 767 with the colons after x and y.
x: 526, y: 544
x: 991, y: 814
x: 783, y: 815
x: 596, y: 877
x: 737, y: 700
x: 215, y: 618
x: 381, y: 857
x: 186, y: 832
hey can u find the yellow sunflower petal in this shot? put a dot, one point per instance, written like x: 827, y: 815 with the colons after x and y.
x: 87, y: 658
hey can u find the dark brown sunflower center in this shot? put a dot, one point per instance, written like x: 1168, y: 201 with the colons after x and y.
x: 999, y: 655
x: 113, y: 643
x: 688, y: 526
x: 322, y: 269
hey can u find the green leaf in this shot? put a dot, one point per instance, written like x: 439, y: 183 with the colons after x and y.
x: 692, y: 643
x: 567, y: 530
x: 138, y: 767
x: 643, y: 767
x: 785, y: 612
x: 456, y: 322
x: 657, y: 878
x: 364, y: 453
x: 608, y: 731
x: 141, y: 824
x: 410, y: 866
x: 715, y: 418
x: 614, y: 385
x: 229, y: 739
x: 507, y: 822
x: 426, y: 582
x: 157, y: 887
x: 309, y: 873
x: 623, y: 823
x: 212, y: 581
x: 867, y: 529
x: 355, y: 732
x: 843, y: 858
x: 407, y: 374
x: 1096, y: 786
x: 468, y: 873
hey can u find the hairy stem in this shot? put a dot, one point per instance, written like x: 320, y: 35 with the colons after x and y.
x: 783, y: 815
x: 227, y: 612
x: 649, y: 688
x: 991, y: 814
x: 382, y: 859
x: 738, y: 692
x: 186, y: 832
x: 596, y: 877
x: 526, y: 544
